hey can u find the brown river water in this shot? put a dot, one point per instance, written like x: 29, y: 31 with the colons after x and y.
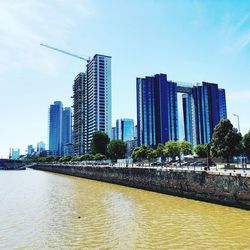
x: 41, y: 210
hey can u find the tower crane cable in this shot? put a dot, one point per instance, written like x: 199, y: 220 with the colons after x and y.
x: 65, y: 52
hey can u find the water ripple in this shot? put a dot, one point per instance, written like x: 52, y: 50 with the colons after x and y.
x: 42, y: 210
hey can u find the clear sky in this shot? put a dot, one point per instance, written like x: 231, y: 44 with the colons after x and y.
x: 191, y: 41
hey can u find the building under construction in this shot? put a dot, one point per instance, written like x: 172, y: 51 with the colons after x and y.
x: 91, y: 100
x: 92, y: 103
x: 79, y: 114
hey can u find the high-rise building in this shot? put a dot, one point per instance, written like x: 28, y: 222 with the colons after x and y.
x: 125, y: 129
x: 209, y: 104
x: 55, y: 128
x: 92, y: 102
x: 15, y: 153
x: 157, y: 119
x: 79, y: 113
x: 204, y: 105
x: 30, y: 150
x: 68, y: 149
x: 98, y: 96
x: 222, y: 103
x: 113, y: 135
x: 40, y: 147
x: 135, y: 132
x: 189, y: 118
x: 66, y: 126
x: 60, y: 128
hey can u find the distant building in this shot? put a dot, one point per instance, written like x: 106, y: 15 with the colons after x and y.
x: 113, y: 135
x: 60, y: 128
x: 66, y: 126
x: 92, y: 103
x: 125, y: 129
x: 68, y: 149
x: 135, y: 132
x: 55, y: 128
x: 40, y: 147
x: 30, y: 150
x: 15, y: 153
x: 131, y: 145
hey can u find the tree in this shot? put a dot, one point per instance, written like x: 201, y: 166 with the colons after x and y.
x: 75, y: 158
x: 151, y: 154
x: 186, y: 147
x: 141, y: 153
x: 84, y: 157
x: 201, y: 150
x: 226, y: 141
x: 117, y: 149
x: 65, y: 159
x: 172, y: 149
x: 160, y: 152
x: 246, y: 144
x: 99, y: 143
x: 99, y: 157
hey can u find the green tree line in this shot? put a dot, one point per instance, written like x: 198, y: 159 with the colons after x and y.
x: 226, y: 142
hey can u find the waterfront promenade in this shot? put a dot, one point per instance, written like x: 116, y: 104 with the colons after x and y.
x: 219, y: 169
x: 222, y: 187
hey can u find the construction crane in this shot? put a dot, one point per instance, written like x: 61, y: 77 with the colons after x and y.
x: 65, y: 52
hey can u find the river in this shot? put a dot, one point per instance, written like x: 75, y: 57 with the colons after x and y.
x: 41, y: 210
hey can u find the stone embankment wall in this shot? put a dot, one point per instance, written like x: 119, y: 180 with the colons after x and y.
x: 220, y: 189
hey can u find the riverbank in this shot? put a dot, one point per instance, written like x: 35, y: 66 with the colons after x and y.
x: 227, y: 190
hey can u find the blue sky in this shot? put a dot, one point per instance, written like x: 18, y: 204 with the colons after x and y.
x: 191, y: 41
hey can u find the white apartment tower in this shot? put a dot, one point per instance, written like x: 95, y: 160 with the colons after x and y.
x: 92, y: 103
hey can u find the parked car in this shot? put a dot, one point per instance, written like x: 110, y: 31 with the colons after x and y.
x: 156, y: 164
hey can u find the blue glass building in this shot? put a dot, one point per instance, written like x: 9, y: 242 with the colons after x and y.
x: 125, y: 129
x: 60, y: 128
x: 113, y: 134
x: 15, y: 153
x: 30, y: 150
x: 66, y: 126
x: 222, y: 104
x: 203, y: 110
x: 157, y: 119
x: 204, y: 105
x: 55, y: 128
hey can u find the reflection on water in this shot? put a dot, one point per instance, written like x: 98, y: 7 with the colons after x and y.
x: 41, y: 210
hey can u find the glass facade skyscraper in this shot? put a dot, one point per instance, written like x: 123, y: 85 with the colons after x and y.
x: 55, y: 128
x: 60, y: 128
x: 113, y: 136
x: 40, y: 147
x: 210, y: 107
x: 204, y: 105
x: 66, y: 126
x: 125, y: 129
x: 157, y: 119
x: 92, y: 103
x: 30, y: 150
x: 15, y: 153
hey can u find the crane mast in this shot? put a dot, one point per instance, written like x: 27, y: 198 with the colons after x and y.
x: 65, y: 52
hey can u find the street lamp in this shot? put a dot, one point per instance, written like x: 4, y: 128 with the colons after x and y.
x: 238, y: 119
